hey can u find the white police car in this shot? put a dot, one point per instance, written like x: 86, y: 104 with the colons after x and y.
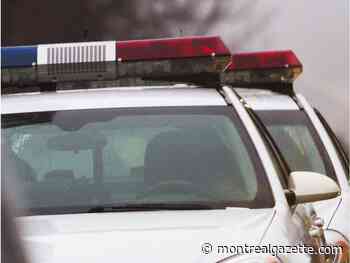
x: 301, y: 133
x: 155, y: 174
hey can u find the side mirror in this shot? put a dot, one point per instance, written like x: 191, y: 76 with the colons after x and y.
x: 312, y: 187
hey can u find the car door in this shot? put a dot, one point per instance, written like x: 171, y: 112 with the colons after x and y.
x: 340, y: 219
x: 302, y: 214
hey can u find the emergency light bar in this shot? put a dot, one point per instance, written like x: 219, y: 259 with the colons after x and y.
x: 112, y: 60
x: 272, y: 67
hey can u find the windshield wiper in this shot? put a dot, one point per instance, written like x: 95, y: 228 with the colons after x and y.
x: 153, y: 207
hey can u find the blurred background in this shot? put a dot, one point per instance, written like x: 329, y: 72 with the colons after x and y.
x: 317, y: 30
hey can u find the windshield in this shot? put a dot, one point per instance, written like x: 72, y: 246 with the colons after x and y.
x: 298, y: 141
x: 81, y: 159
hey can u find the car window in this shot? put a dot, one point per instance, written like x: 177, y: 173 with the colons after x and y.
x: 298, y: 141
x: 281, y: 167
x: 342, y: 156
x: 93, y: 157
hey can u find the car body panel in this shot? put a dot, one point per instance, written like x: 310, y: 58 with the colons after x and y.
x: 279, y: 230
x: 266, y: 100
x: 136, y: 236
x: 110, y: 98
x: 340, y: 221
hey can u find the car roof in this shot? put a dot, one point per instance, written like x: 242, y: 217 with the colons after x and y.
x: 121, y: 97
x: 267, y: 100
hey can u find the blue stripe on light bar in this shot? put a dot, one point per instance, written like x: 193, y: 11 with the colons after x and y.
x: 18, y: 56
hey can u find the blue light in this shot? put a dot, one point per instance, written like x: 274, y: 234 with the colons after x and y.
x: 18, y: 56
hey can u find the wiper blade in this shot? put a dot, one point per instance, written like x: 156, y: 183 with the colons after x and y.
x: 153, y: 207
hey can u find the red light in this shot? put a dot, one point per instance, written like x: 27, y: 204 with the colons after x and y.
x: 171, y: 48
x: 264, y: 60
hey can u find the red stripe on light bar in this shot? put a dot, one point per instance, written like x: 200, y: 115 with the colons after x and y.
x: 264, y: 60
x: 172, y: 48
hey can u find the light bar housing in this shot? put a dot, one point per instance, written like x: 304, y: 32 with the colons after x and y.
x: 254, y: 68
x: 185, y: 58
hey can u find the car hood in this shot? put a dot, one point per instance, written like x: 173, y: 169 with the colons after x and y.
x: 154, y: 236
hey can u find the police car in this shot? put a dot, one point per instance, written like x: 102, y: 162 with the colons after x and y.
x: 300, y: 132
x: 117, y: 169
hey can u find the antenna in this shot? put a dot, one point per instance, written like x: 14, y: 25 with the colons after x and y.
x: 85, y: 34
x: 181, y: 32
